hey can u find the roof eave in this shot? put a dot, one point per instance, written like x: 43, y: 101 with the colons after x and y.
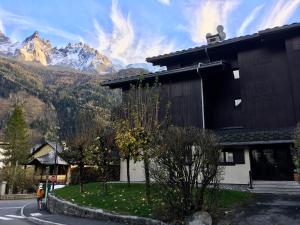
x: 258, y: 35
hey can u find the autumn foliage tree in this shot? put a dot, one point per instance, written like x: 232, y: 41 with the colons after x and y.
x: 126, y: 145
x: 140, y: 122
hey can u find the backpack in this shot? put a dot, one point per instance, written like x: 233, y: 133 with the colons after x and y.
x: 40, y: 193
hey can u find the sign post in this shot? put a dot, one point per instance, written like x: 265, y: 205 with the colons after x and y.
x: 46, y: 191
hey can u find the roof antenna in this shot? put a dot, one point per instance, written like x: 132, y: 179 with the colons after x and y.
x: 219, y: 37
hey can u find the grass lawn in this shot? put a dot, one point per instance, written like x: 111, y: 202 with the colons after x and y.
x: 131, y: 200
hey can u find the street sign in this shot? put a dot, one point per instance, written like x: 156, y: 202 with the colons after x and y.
x: 52, y: 178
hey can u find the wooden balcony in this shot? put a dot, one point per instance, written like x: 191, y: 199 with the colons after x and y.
x: 61, y: 179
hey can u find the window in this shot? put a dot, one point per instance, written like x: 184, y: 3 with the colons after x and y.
x: 229, y: 157
x: 236, y: 74
x: 237, y: 102
x: 232, y: 157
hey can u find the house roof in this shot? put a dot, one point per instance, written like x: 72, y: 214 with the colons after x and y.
x: 114, y: 83
x: 260, y: 34
x: 38, y: 147
x: 234, y: 137
x: 48, y: 159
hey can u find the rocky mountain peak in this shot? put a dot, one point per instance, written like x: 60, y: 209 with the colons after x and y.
x: 35, y: 49
x: 79, y: 56
x: 35, y: 35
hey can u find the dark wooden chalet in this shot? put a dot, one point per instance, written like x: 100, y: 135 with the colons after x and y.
x: 246, y: 89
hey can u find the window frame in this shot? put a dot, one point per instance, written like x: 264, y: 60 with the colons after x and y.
x: 235, y: 153
x: 239, y: 105
x: 234, y: 74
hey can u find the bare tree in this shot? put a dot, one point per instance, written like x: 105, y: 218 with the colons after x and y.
x: 296, y: 152
x: 102, y: 153
x: 79, y: 142
x: 185, y: 163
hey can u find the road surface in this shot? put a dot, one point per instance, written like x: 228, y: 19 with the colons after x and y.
x: 10, y: 212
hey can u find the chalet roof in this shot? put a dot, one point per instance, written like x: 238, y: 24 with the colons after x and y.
x: 234, y: 137
x: 38, y: 147
x: 263, y: 34
x: 161, y: 74
x: 48, y: 159
x: 259, y: 34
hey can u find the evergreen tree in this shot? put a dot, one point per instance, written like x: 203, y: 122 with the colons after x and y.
x: 17, y: 137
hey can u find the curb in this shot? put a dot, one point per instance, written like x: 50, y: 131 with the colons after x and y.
x: 56, y: 205
x: 17, y: 196
x: 37, y: 220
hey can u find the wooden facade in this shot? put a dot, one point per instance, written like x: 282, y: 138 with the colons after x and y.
x: 267, y: 90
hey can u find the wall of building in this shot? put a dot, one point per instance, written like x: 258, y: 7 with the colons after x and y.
x: 233, y: 174
x: 136, y: 171
x: 237, y: 174
x: 293, y: 54
x: 266, y: 87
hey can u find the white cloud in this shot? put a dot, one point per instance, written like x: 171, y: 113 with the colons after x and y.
x: 165, y: 2
x: 279, y: 13
x: 22, y: 22
x: 2, y: 27
x: 204, y: 17
x: 122, y: 43
x: 249, y: 19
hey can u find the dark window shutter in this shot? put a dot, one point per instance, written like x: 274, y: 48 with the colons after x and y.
x: 239, y: 157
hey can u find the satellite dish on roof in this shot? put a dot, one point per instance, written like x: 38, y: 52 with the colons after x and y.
x: 208, y: 35
x: 219, y: 37
x: 221, y: 32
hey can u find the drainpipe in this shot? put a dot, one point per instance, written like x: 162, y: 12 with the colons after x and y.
x: 202, y: 96
x: 201, y: 86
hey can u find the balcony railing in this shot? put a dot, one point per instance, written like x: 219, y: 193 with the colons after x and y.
x: 61, y: 179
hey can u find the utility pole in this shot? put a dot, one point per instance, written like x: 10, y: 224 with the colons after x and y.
x: 47, y: 178
x: 55, y: 169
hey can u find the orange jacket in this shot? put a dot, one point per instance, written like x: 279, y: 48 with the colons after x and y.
x: 40, y: 193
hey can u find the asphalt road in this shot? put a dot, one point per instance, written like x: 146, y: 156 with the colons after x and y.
x: 268, y: 209
x: 10, y: 213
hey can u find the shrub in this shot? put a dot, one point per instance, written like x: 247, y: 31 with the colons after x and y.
x: 92, y: 174
x: 21, y: 178
x: 185, y: 164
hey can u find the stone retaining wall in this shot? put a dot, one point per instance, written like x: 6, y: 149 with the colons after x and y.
x: 17, y: 196
x: 56, y: 205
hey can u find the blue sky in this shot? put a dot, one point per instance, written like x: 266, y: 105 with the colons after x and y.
x: 129, y: 30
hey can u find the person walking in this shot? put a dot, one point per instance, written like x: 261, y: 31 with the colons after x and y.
x: 40, y: 195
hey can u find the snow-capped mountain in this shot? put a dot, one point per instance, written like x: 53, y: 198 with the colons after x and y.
x: 78, y: 56
x: 6, y: 47
x: 146, y: 66
x: 81, y: 57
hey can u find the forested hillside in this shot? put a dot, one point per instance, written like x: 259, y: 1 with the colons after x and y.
x: 50, y: 96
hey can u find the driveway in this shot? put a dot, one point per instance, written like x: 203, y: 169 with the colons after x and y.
x: 267, y: 209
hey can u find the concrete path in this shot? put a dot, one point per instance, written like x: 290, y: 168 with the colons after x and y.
x: 267, y: 209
